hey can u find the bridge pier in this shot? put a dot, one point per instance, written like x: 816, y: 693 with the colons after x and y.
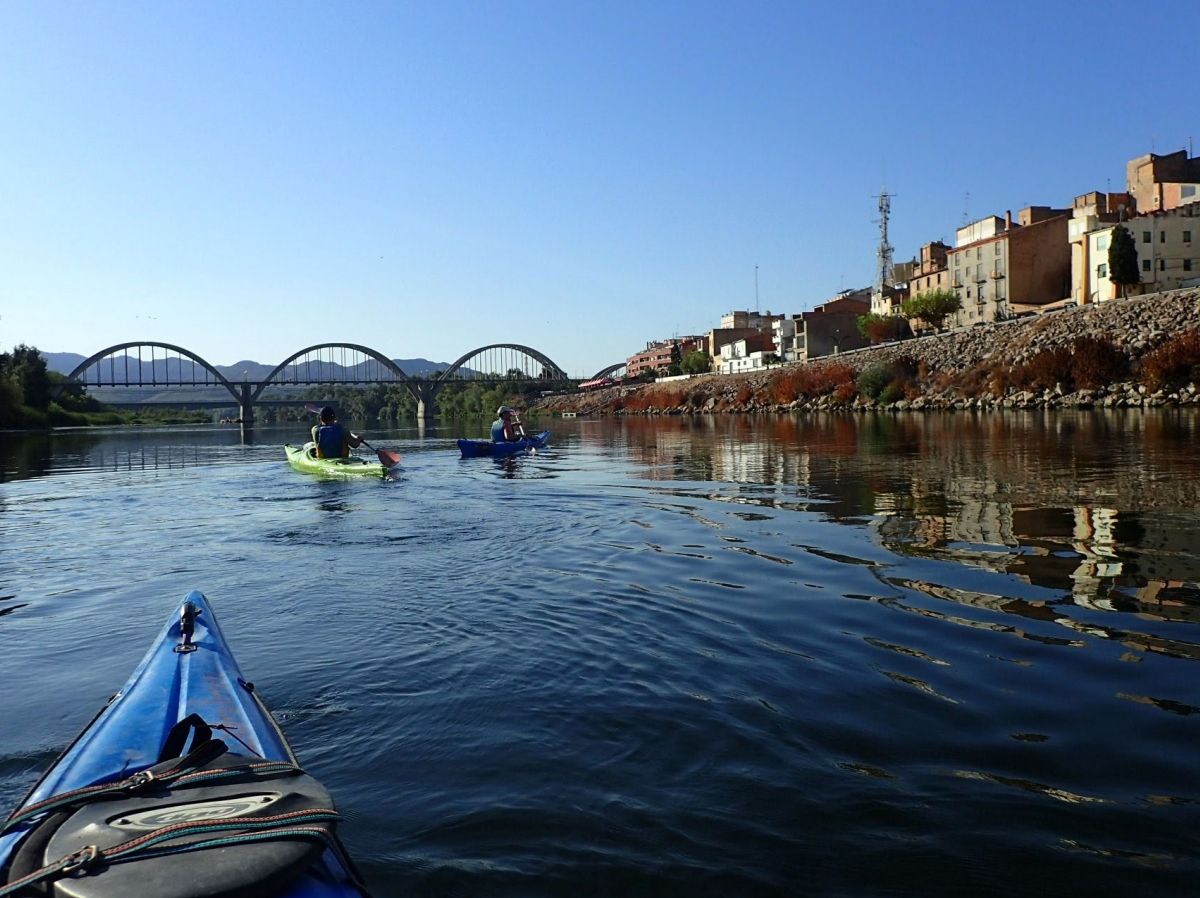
x: 246, y: 404
x: 426, y: 404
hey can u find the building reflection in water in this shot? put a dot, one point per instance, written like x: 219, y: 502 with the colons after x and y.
x: 1098, y: 506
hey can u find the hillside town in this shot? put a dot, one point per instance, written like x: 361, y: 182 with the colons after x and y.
x: 1041, y: 260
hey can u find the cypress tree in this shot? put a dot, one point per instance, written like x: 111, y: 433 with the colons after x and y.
x: 1123, y: 259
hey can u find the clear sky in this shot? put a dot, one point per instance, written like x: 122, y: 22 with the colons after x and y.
x: 247, y: 179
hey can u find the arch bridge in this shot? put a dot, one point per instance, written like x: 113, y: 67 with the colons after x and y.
x: 140, y: 372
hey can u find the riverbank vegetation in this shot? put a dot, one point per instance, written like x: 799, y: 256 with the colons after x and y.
x: 393, y: 404
x: 33, y: 398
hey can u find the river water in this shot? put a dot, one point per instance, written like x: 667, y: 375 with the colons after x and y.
x: 939, y: 655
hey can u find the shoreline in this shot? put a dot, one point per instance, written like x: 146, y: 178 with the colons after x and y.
x: 1137, y: 352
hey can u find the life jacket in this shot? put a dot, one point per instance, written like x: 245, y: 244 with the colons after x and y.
x: 330, y: 441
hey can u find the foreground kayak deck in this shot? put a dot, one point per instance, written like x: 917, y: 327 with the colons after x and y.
x: 302, y: 459
x: 484, y: 448
x: 291, y: 846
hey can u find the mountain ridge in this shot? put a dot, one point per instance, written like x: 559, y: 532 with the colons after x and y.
x: 66, y: 362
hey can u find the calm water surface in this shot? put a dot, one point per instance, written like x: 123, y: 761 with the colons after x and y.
x: 936, y: 655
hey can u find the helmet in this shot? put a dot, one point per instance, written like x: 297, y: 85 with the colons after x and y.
x: 503, y: 410
x: 328, y: 414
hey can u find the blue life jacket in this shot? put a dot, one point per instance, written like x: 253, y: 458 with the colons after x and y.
x: 330, y: 438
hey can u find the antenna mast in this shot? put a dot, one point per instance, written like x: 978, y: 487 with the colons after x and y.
x: 884, y: 272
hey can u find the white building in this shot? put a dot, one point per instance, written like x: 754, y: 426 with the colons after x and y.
x: 1168, y: 247
x: 737, y: 357
x: 783, y: 334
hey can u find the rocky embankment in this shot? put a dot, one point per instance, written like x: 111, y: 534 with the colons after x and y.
x: 964, y: 369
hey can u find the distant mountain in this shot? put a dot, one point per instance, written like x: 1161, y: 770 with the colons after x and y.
x: 168, y: 370
x: 62, y: 362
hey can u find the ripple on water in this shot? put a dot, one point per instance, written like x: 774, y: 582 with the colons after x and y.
x: 839, y: 656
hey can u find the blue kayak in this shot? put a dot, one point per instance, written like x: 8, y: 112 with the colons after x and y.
x: 483, y: 448
x: 182, y: 786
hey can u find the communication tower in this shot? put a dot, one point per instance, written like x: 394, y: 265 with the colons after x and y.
x: 884, y: 272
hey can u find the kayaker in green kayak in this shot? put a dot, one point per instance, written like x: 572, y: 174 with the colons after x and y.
x: 331, y: 439
x: 506, y: 428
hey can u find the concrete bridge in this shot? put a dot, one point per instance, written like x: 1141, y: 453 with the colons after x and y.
x: 155, y: 364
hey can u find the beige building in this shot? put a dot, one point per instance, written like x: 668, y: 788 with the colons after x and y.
x: 1160, y: 183
x: 999, y: 267
x: 931, y: 270
x: 759, y: 321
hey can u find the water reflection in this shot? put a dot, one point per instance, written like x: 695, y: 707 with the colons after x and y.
x: 1097, y: 507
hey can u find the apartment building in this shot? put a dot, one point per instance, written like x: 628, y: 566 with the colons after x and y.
x: 931, y: 270
x: 828, y: 329
x: 659, y: 355
x: 741, y: 320
x: 1168, y: 248
x: 999, y: 266
x: 1161, y: 183
x: 755, y: 328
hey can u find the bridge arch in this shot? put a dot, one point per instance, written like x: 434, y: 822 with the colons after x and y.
x: 170, y: 347
x: 543, y: 359
x: 605, y: 372
x: 356, y: 347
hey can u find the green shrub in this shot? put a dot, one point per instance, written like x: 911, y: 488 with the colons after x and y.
x: 872, y: 380
x: 893, y: 392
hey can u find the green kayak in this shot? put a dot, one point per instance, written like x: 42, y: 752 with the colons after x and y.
x: 304, y: 459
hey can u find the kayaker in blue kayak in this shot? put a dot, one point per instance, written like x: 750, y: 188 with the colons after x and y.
x: 506, y: 428
x: 331, y: 439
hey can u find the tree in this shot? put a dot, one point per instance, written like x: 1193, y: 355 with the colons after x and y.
x: 933, y: 307
x: 878, y: 328
x: 1123, y: 259
x: 26, y: 370
x: 696, y: 362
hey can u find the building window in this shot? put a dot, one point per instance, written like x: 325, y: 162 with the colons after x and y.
x: 1187, y: 264
x: 1102, y: 270
x: 1102, y: 242
x: 1146, y: 238
x: 1187, y: 236
x: 1162, y: 264
x: 979, y: 252
x: 1145, y: 265
x: 997, y: 249
x: 1186, y: 191
x: 968, y: 293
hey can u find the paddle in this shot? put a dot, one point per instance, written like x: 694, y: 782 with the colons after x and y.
x: 519, y: 428
x: 387, y: 457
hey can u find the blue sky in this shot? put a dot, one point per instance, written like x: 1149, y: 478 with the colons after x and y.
x: 247, y: 179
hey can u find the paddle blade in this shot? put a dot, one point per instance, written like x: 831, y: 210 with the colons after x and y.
x: 315, y: 409
x: 388, y: 458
